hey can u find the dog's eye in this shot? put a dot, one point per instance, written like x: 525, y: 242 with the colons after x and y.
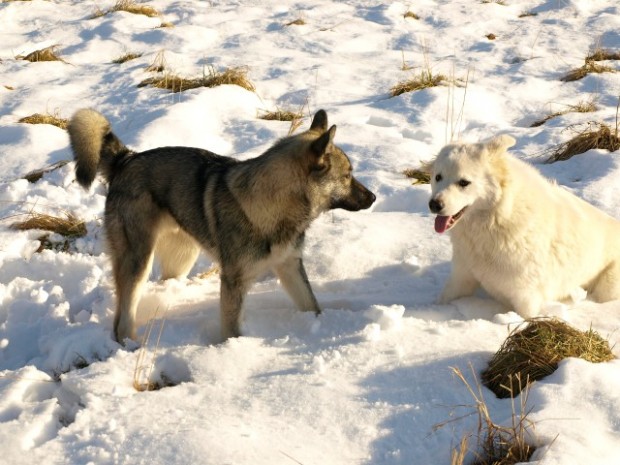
x: 464, y: 183
x: 438, y: 178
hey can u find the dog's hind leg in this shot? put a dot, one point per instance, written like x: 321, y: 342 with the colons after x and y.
x: 131, y: 225
x: 130, y: 274
x: 294, y: 279
x: 177, y: 252
x: 607, y: 285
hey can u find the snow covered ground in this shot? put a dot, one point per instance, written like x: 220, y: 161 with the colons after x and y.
x: 367, y: 381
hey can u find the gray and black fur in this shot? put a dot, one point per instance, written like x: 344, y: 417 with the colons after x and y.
x: 250, y: 216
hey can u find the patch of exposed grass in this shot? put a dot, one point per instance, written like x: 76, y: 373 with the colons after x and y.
x: 129, y: 6
x: 533, y: 351
x: 491, y: 36
x: 45, y: 54
x: 68, y: 225
x: 126, y: 57
x: 498, y: 2
x: 296, y: 22
x: 420, y: 175
x: 424, y: 80
x: 280, y: 115
x: 594, y: 136
x: 159, y: 63
x: 235, y: 76
x: 600, y: 54
x: 590, y: 67
x: 35, y: 175
x: 582, y: 107
x: 410, y: 14
x: 39, y: 118
x: 527, y: 14
x: 165, y: 24
x: 495, y: 444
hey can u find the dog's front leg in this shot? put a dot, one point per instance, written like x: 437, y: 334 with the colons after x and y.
x: 294, y: 279
x: 461, y: 283
x: 232, y: 292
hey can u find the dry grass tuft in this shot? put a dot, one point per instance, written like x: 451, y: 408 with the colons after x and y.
x: 130, y: 6
x: 491, y: 36
x: 165, y: 24
x: 296, y: 22
x: 159, y: 63
x: 532, y: 352
x: 45, y: 54
x: 420, y: 175
x: 527, y: 14
x: 498, y: 2
x: 68, y: 226
x: 590, y: 67
x: 600, y: 54
x: 594, y: 136
x: 496, y: 444
x: 280, y: 115
x: 425, y: 79
x: 411, y: 14
x: 212, y: 271
x: 126, y: 57
x: 585, y: 106
x: 143, y: 373
x: 38, y: 118
x: 35, y: 175
x: 235, y: 76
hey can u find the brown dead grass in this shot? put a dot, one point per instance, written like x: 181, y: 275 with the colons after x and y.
x: 45, y: 54
x: 68, y: 225
x: 590, y: 67
x: 424, y: 80
x: 39, y: 118
x: 296, y: 22
x: 601, y: 54
x: 35, y: 175
x: 129, y: 6
x: 280, y: 115
x: 411, y: 14
x: 234, y: 76
x: 533, y: 351
x: 594, y: 136
x: 126, y: 57
x: 582, y: 107
x: 496, y: 444
x: 159, y: 63
x: 420, y: 175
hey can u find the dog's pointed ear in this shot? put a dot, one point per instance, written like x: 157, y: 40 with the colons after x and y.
x: 319, y: 146
x: 319, y: 122
x: 501, y: 143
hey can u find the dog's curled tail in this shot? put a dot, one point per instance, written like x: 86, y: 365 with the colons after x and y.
x: 95, y: 147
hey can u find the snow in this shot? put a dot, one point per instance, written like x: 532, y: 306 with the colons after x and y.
x: 370, y: 379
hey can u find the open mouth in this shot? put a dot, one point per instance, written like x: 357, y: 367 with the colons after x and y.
x: 443, y: 223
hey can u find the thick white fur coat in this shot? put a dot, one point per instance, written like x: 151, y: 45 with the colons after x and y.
x: 524, y: 239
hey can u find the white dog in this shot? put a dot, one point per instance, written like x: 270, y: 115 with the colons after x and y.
x: 525, y: 240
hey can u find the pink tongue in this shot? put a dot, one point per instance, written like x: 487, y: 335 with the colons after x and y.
x: 441, y: 223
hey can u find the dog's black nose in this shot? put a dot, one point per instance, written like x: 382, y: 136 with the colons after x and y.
x: 435, y: 205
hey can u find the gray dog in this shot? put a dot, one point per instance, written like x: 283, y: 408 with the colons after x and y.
x: 250, y: 216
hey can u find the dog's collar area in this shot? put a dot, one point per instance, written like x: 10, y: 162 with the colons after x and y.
x: 443, y: 223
